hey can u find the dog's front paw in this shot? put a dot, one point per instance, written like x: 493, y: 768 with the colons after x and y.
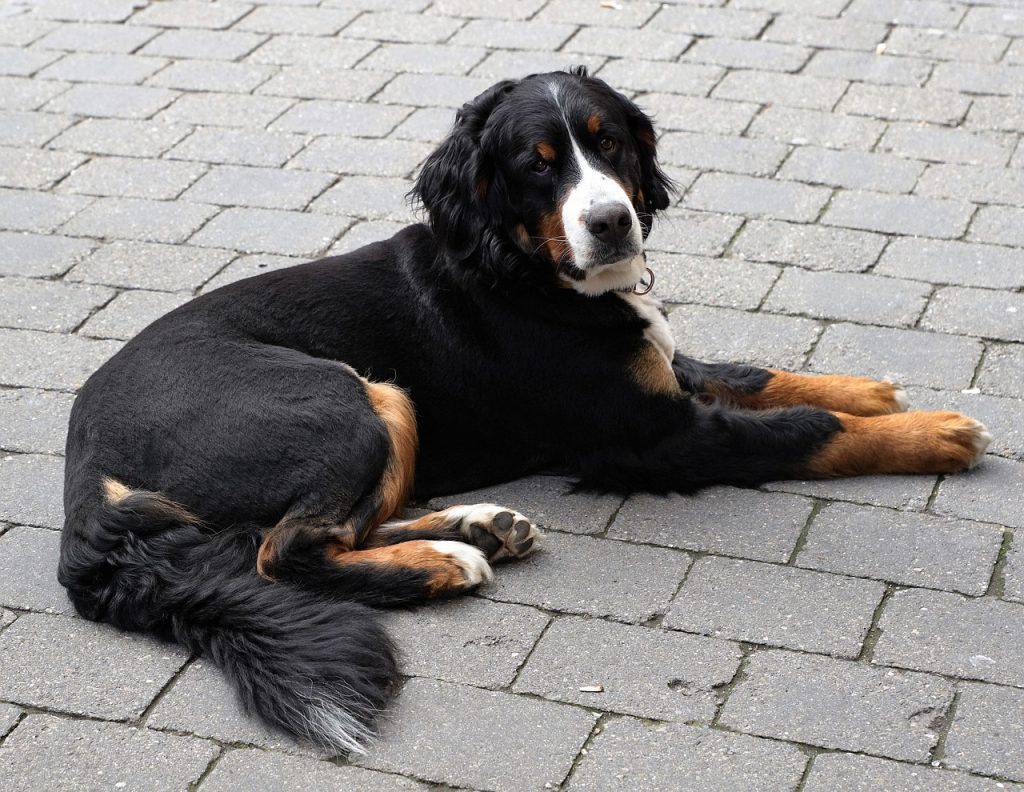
x: 501, y: 533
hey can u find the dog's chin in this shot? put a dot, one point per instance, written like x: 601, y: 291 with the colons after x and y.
x: 618, y: 276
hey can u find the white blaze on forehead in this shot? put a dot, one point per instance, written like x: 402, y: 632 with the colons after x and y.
x: 592, y: 189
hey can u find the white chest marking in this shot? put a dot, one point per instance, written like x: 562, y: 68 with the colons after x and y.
x: 658, y: 333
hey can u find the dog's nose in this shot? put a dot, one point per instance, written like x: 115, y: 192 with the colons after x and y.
x: 610, y: 222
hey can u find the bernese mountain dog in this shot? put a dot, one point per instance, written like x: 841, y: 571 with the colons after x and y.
x: 236, y: 473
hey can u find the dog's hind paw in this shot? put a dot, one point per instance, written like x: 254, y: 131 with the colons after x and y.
x: 501, y: 533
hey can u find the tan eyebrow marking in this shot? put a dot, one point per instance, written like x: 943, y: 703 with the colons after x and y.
x: 594, y: 124
x: 546, y: 151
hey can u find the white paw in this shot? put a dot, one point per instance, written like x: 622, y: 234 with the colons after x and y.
x: 471, y: 560
x: 500, y: 532
x: 899, y: 395
x: 981, y: 440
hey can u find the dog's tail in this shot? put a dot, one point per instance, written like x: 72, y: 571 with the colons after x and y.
x: 318, y: 668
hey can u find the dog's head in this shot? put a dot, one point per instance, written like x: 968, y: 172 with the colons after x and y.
x: 556, y: 173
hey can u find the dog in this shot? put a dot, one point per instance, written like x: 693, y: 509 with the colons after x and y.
x: 236, y: 472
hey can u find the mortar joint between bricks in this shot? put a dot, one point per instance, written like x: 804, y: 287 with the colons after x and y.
x: 811, y: 756
x: 997, y: 583
x: 874, y: 633
x: 220, y: 753
x: 724, y: 691
x: 144, y: 717
x: 801, y: 539
x: 985, y: 347
x: 945, y: 723
x: 599, y: 725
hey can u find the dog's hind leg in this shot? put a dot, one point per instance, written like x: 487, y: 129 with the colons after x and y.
x: 756, y: 388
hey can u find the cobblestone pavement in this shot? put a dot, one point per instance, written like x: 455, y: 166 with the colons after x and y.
x: 852, y: 200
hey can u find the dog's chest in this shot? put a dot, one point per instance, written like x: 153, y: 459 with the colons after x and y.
x: 652, y: 367
x: 658, y: 334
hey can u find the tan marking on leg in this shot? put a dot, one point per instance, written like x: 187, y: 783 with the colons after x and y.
x: 317, y: 530
x: 448, y: 566
x: 852, y: 395
x: 915, y: 442
x: 394, y: 407
x: 652, y: 373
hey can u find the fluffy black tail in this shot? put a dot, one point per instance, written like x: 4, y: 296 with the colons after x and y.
x: 318, y: 668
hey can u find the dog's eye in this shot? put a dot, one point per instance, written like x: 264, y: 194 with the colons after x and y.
x: 607, y: 144
x: 541, y: 166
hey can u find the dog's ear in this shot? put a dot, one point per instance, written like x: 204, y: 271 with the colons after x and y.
x: 454, y: 182
x: 654, y: 184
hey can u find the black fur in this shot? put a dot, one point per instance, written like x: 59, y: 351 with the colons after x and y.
x: 245, y: 405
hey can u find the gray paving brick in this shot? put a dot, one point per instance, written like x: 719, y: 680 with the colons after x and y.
x: 896, y: 492
x: 953, y: 635
x: 945, y: 44
x: 312, y: 50
x: 901, y: 12
x: 238, y: 147
x: 21, y: 210
x: 424, y: 58
x: 213, y: 75
x: 990, y: 492
x: 31, y: 486
x: 987, y: 732
x: 595, y: 577
x: 726, y: 520
x: 1002, y: 225
x: 341, y: 118
x: 9, y: 717
x: 223, y: 109
x: 854, y: 773
x: 113, y: 101
x: 258, y: 771
x: 899, y: 214
x: 654, y: 44
x: 979, y: 312
x: 506, y: 64
x: 432, y: 90
x: 22, y: 62
x: 145, y: 265
x: 128, y: 177
x: 1000, y: 20
x: 828, y: 33
x: 720, y: 153
x: 757, y: 197
x: 900, y: 103
x: 644, y: 672
x: 763, y: 55
x: 28, y: 564
x: 96, y: 11
x: 631, y: 754
x: 271, y: 231
x: 33, y: 421
x: 202, y: 702
x: 697, y: 114
x: 103, y: 672
x: 724, y: 335
x: 268, y: 188
x: 510, y: 34
x: 7, y: 618
x: 775, y: 605
x: 442, y: 732
x: 362, y: 157
x: 47, y: 360
x: 1002, y: 371
x: 191, y: 14
x: 470, y: 641
x: 141, y: 220
x: 1015, y: 53
x: 949, y: 262
x: 247, y: 266
x: 116, y: 136
x: 813, y: 247
x: 979, y: 78
x: 996, y: 112
x: 839, y: 704
x: 548, y: 501
x: 31, y: 304
x: 90, y: 67
x: 35, y: 256
x: 905, y: 356
x: 363, y: 233
x: 684, y: 231
x: 792, y: 90
x: 942, y: 144
x: 389, y: 26
x: 97, y: 37
x: 972, y: 183
x: 314, y: 81
x: 30, y: 129
x: 205, y: 44
x: 367, y: 196
x: 130, y: 312
x: 1004, y: 417
x: 580, y: 11
x: 30, y: 169
x: 853, y: 169
x: 21, y: 93
x: 19, y: 31
x: 45, y: 752
x: 482, y: 8
x: 428, y: 124
x: 729, y: 283
x: 1013, y: 572
x: 656, y: 76
x: 847, y: 296
x: 704, y: 21
x: 910, y: 549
